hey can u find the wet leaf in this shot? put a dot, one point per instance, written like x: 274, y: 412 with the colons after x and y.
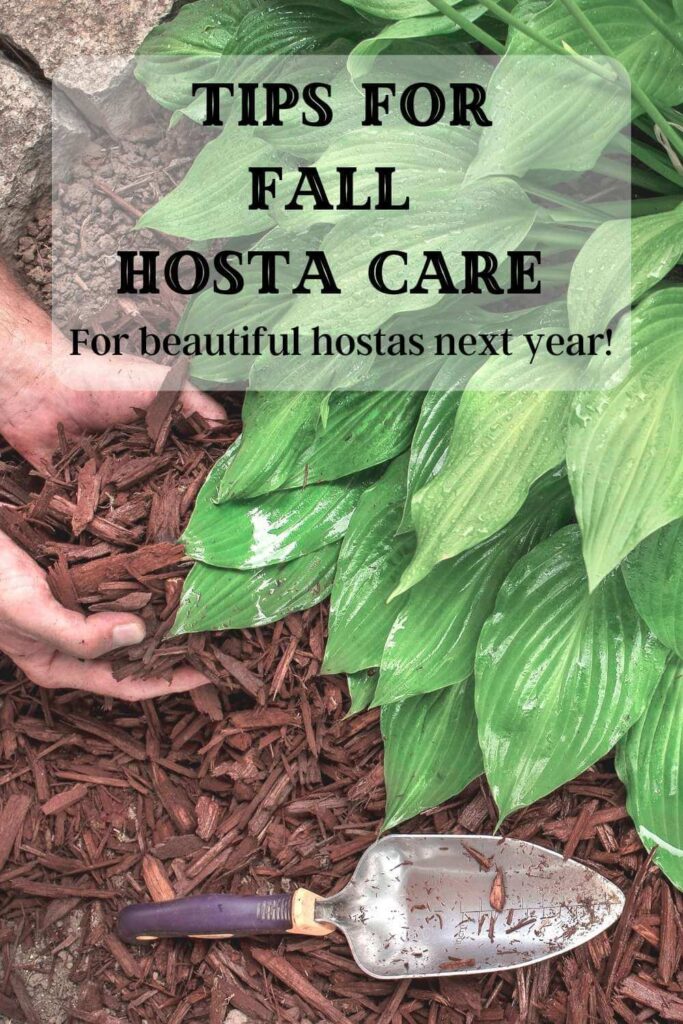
x: 413, y: 31
x: 625, y: 442
x: 196, y: 44
x: 654, y: 577
x: 432, y: 434
x: 647, y: 56
x: 213, y: 313
x: 451, y: 150
x: 619, y: 263
x: 370, y: 561
x: 492, y: 215
x: 434, y: 429
x: 559, y: 671
x: 288, y: 442
x: 587, y: 112
x: 650, y: 764
x: 361, y: 689
x: 296, y: 27
x: 433, y: 640
x: 393, y: 10
x: 430, y: 750
x: 231, y: 599
x: 272, y: 528
x: 187, y: 49
x: 479, y: 490
x: 363, y: 429
x: 212, y: 200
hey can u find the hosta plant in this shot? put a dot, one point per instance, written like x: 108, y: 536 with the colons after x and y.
x: 505, y: 567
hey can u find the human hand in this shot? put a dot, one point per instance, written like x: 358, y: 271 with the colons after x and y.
x: 55, y: 646
x: 101, y: 390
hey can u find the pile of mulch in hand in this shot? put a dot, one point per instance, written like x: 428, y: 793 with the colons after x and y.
x: 105, y: 524
x: 256, y: 782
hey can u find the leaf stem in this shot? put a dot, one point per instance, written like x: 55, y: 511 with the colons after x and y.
x: 648, y: 156
x: 654, y: 182
x: 473, y: 30
x: 657, y: 204
x: 514, y: 22
x: 589, y: 217
x: 612, y: 168
x: 658, y: 23
x: 564, y: 238
x: 538, y: 37
x: 646, y: 103
x: 643, y: 207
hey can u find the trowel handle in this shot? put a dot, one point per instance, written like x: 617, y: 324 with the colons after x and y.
x: 217, y: 916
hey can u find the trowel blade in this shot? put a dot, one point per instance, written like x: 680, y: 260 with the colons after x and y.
x: 426, y: 905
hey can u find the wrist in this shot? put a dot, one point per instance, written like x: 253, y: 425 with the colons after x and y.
x: 25, y: 351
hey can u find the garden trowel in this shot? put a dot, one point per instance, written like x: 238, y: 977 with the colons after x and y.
x: 418, y: 906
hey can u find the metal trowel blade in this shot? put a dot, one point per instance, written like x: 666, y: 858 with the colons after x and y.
x: 424, y: 905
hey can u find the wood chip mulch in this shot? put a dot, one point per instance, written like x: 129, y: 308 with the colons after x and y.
x: 255, y: 783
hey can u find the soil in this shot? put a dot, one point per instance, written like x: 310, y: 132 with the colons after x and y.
x: 258, y: 782
x: 92, y: 215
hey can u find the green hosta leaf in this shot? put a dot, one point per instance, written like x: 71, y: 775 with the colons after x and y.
x: 292, y: 27
x: 192, y: 47
x: 647, y: 56
x: 278, y: 427
x: 430, y: 751
x: 370, y: 563
x: 495, y: 216
x: 434, y: 637
x: 212, y: 200
x: 274, y: 528
x: 479, y: 489
x: 410, y: 29
x: 561, y: 674
x: 297, y: 139
x: 450, y: 150
x: 394, y: 10
x: 434, y: 428
x: 654, y: 577
x: 650, y: 764
x: 433, y: 433
x: 230, y: 599
x: 203, y: 28
x: 287, y: 442
x: 582, y: 113
x: 209, y: 312
x: 188, y: 49
x: 621, y: 261
x: 361, y: 689
x: 363, y: 429
x: 624, y: 445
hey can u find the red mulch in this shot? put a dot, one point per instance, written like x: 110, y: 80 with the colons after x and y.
x: 255, y: 783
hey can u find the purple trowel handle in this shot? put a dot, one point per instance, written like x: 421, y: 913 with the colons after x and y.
x: 210, y: 916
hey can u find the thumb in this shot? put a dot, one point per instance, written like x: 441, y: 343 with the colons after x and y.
x: 84, y: 636
x: 195, y: 400
x: 28, y: 608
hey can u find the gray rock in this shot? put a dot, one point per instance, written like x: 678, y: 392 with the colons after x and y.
x: 70, y: 135
x: 24, y: 149
x: 85, y: 47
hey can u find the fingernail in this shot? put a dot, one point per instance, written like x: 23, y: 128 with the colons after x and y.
x: 126, y: 636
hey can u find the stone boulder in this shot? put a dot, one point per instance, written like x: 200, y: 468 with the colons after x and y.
x: 24, y: 149
x: 85, y: 47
